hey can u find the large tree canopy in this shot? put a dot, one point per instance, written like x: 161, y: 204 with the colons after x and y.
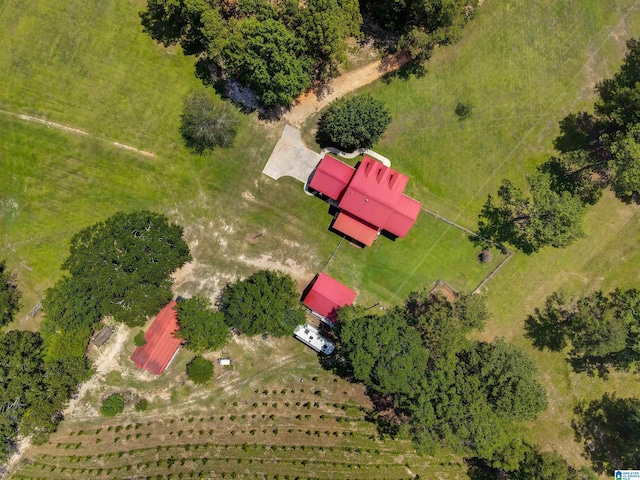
x: 200, y: 327
x: 274, y: 48
x: 9, y: 295
x: 265, y: 302
x: 357, y: 122
x: 468, y: 395
x: 545, y: 218
x: 610, y: 427
x: 603, y: 330
x: 268, y: 58
x: 125, y: 262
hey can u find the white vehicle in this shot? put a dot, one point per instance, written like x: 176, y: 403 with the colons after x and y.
x: 311, y: 337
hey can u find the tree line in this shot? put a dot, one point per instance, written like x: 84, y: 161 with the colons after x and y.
x: 118, y: 268
x: 596, y: 151
x: 278, y: 49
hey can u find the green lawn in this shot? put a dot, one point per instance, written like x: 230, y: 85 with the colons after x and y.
x: 523, y: 66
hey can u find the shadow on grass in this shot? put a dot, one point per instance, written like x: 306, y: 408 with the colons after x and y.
x: 609, y: 429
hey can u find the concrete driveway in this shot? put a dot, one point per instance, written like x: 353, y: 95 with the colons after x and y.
x: 291, y: 158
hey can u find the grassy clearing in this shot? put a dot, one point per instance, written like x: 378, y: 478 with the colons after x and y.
x: 522, y: 65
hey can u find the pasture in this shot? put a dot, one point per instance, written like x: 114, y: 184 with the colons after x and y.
x: 522, y: 65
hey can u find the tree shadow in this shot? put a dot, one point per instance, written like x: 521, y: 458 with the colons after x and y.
x: 478, y: 469
x: 609, y: 428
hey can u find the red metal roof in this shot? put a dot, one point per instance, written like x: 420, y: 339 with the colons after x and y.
x: 161, y: 345
x: 327, y: 295
x: 355, y: 229
x: 403, y: 217
x: 375, y: 195
x: 331, y: 177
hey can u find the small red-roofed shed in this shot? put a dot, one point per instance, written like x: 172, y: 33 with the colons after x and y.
x: 161, y: 345
x: 327, y: 295
x: 331, y: 177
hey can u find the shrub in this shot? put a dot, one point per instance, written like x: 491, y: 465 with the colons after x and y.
x: 357, y: 122
x: 206, y: 124
x: 112, y: 405
x: 142, y: 405
x: 200, y: 370
x: 139, y: 339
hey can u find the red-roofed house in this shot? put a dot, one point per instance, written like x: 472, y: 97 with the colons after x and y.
x: 370, y: 198
x: 326, y: 296
x: 161, y: 345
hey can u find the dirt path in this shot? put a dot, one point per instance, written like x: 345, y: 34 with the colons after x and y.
x: 309, y: 103
x: 77, y: 131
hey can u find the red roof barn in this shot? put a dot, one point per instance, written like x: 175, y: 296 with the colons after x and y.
x: 327, y: 295
x: 161, y: 345
x: 370, y: 198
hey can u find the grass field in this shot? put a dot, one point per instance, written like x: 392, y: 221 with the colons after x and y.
x: 522, y: 64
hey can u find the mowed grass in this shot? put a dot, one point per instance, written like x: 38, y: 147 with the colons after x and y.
x: 522, y: 65
x: 273, y: 412
x: 91, y: 67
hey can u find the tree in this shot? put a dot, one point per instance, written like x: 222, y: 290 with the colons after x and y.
x: 200, y: 370
x: 269, y: 59
x: 619, y: 102
x: 357, y: 122
x: 625, y: 164
x: 265, y: 302
x: 201, y: 327
x: 124, y: 264
x: 545, y: 218
x: 112, y: 405
x: 324, y: 25
x: 435, y: 22
x: 141, y: 405
x: 139, y: 339
x: 206, y: 124
x: 384, y: 352
x: 9, y: 295
x: 609, y: 428
x: 507, y: 376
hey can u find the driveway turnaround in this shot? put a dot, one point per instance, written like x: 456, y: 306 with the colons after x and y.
x: 291, y: 158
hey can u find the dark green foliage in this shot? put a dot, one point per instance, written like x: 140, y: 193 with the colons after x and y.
x: 619, y: 102
x: 430, y: 22
x: 124, y: 264
x: 609, y: 428
x: 112, y: 405
x: 139, y: 339
x: 32, y: 391
x: 201, y: 327
x: 507, y: 376
x: 276, y: 49
x: 200, y: 370
x: 142, y: 405
x: 266, y: 302
x: 268, y: 58
x: 602, y: 330
x: 427, y: 379
x: 349, y: 124
x: 463, y: 110
x: 530, y: 222
x: 605, y: 144
x: 384, y: 352
x: 206, y: 124
x: 9, y: 295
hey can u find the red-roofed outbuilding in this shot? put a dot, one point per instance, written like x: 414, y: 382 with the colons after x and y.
x: 370, y: 198
x: 327, y: 295
x: 161, y: 345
